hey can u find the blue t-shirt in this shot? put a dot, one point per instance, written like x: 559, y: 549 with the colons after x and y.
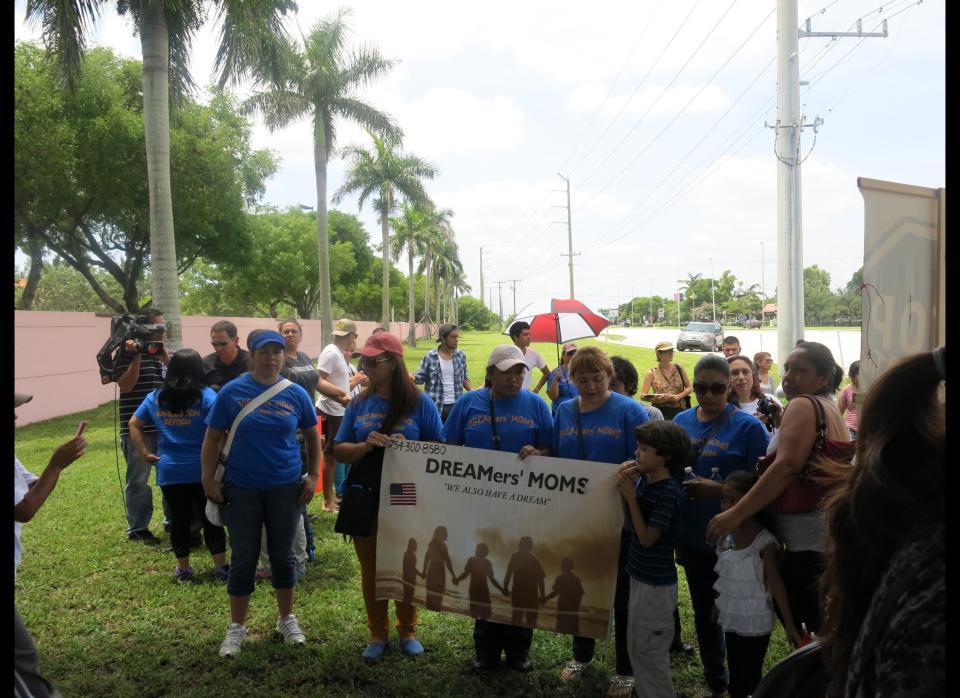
x: 521, y: 420
x: 264, y: 453
x: 179, y: 437
x: 567, y: 389
x: 738, y: 444
x: 363, y: 416
x: 608, y: 432
x: 660, y: 506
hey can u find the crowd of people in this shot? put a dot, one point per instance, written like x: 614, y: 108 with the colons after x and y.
x: 758, y: 503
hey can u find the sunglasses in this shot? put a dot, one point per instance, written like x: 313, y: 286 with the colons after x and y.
x: 571, y: 352
x: 286, y: 332
x: 715, y: 388
x: 217, y: 345
x: 366, y: 361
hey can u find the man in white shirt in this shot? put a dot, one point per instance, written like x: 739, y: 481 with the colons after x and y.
x: 334, y: 394
x: 29, y: 494
x: 520, y: 334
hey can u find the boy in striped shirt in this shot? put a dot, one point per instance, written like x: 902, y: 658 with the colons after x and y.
x: 651, y: 490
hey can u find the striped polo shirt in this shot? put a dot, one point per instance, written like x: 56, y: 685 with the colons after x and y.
x: 152, y: 372
x: 660, y: 506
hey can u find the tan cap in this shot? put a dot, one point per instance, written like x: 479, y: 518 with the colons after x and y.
x: 568, y: 346
x: 664, y: 346
x: 20, y: 398
x: 344, y: 327
x: 505, y: 357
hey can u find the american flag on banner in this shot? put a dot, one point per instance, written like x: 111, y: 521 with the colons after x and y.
x: 403, y: 493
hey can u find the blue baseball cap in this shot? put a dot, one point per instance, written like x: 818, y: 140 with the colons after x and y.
x: 260, y: 338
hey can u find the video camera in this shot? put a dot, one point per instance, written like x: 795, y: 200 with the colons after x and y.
x: 122, y: 328
x: 769, y: 408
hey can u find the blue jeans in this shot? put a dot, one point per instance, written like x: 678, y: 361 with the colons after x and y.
x: 250, y: 511
x: 136, y: 491
x: 698, y: 566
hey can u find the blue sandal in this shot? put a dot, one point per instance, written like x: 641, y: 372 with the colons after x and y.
x: 374, y: 651
x: 411, y: 647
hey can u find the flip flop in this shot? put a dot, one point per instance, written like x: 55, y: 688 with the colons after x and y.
x: 620, y: 685
x: 572, y: 669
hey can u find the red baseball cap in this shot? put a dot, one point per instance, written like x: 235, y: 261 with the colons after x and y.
x: 379, y: 343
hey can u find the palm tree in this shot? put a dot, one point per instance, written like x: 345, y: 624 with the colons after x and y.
x: 252, y: 39
x: 439, y: 234
x: 412, y: 230
x: 321, y: 82
x: 385, y: 172
x: 447, y: 266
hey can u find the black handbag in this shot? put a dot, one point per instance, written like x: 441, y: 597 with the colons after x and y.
x: 360, y: 502
x: 802, y: 674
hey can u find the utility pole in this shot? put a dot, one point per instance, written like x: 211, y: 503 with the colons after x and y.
x: 713, y: 296
x: 676, y: 294
x: 763, y: 285
x: 490, y: 304
x: 570, y: 253
x: 481, y: 273
x: 513, y: 284
x: 500, y: 294
x: 790, y: 124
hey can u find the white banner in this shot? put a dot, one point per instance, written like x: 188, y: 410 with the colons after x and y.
x: 459, y: 527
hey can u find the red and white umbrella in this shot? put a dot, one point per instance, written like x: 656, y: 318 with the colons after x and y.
x: 561, y: 320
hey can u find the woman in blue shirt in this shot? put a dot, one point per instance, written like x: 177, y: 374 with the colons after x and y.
x: 177, y: 411
x: 390, y: 407
x: 262, y: 484
x: 523, y: 426
x: 724, y: 438
x: 560, y: 385
x: 600, y: 426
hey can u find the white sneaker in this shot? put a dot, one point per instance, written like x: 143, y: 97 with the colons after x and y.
x: 233, y: 642
x: 289, y: 629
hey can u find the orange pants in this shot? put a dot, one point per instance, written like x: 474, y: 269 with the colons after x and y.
x: 378, y: 611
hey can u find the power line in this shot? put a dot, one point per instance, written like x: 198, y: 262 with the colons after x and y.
x: 610, y: 91
x: 676, y: 76
x: 685, y: 107
x: 637, y: 89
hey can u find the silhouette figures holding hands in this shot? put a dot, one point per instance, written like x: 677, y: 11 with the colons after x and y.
x: 434, y: 562
x: 528, y: 575
x: 569, y: 591
x: 479, y: 569
x: 410, y: 571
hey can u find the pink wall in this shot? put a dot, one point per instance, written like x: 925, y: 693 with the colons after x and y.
x: 54, y: 355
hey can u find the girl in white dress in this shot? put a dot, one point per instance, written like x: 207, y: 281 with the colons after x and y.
x: 748, y: 576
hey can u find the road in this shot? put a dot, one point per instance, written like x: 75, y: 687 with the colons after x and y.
x: 844, y: 343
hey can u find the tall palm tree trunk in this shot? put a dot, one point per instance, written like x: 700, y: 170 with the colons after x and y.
x: 323, y: 246
x: 155, y: 44
x: 33, y: 277
x: 387, y: 201
x: 412, y: 321
x: 426, y: 288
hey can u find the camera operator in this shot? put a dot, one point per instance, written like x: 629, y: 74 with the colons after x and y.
x: 748, y: 396
x: 140, y: 368
x: 228, y: 360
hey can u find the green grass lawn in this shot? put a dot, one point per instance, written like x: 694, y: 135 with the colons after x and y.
x: 109, y: 620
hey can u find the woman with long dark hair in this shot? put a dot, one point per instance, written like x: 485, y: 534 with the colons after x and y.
x: 390, y: 407
x: 809, y: 373
x: 884, y: 628
x: 178, y: 410
x: 722, y: 439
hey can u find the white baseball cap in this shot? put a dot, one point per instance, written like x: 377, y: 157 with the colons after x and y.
x: 505, y: 357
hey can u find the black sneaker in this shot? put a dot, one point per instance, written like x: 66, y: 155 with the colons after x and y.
x: 144, y: 536
x: 523, y: 665
x: 480, y: 665
x: 682, y: 648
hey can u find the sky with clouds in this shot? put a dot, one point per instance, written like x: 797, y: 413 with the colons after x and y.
x: 655, y: 112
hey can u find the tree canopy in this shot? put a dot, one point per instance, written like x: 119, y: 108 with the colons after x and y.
x: 80, y: 169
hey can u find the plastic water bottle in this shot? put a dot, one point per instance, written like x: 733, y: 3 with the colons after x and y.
x: 688, y: 473
x: 715, y: 475
x: 725, y: 544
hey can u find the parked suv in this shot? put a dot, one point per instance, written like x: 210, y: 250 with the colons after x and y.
x: 705, y: 336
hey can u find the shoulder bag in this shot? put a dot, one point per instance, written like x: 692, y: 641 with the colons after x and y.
x: 805, y: 493
x: 214, y: 510
x: 686, y: 401
x: 360, y: 502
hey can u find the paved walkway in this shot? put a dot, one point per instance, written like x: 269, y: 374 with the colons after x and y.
x: 845, y: 343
